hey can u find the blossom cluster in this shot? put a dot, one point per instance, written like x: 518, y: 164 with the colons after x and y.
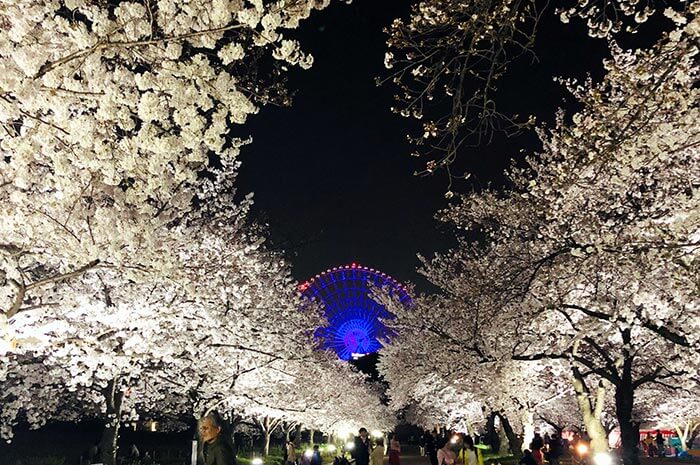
x: 132, y: 282
x: 580, y: 281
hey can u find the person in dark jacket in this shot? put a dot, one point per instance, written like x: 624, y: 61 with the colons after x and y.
x: 216, y: 449
x: 537, y: 442
x: 556, y: 449
x: 536, y: 445
x: 316, y: 456
x: 360, y: 451
x: 431, y: 447
x: 660, y: 447
x: 527, y: 459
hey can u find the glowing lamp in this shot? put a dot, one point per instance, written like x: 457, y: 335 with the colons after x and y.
x: 257, y: 461
x: 349, y: 445
x: 455, y: 439
x: 582, y: 448
x: 308, y: 453
x: 602, y: 458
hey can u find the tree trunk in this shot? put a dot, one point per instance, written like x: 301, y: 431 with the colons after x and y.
x: 491, y: 437
x: 693, y: 432
x: 687, y: 433
x: 503, y: 446
x: 297, y: 436
x: 624, y: 402
x: 266, y: 450
x: 591, y: 412
x: 528, y: 429
x: 235, y: 421
x: 108, y: 442
x: 515, y: 443
x: 268, y: 426
x: 682, y: 436
x: 629, y: 430
x: 288, y: 427
x: 311, y: 436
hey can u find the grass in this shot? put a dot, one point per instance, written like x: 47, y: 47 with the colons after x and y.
x: 493, y: 459
x: 247, y: 457
x: 48, y: 460
x: 276, y: 456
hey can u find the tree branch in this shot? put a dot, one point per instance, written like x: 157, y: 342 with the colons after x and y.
x: 22, y: 289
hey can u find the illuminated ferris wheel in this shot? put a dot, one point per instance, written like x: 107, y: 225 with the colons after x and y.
x: 354, y: 326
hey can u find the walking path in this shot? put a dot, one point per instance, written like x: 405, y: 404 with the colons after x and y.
x: 410, y: 455
x: 668, y: 460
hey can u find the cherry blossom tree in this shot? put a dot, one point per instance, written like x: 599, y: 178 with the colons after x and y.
x: 171, y: 351
x: 111, y: 112
x: 436, y: 55
x: 339, y: 399
x: 444, y: 366
x: 435, y: 392
x: 591, y: 259
x: 314, y: 390
x: 126, y: 268
x: 233, y: 339
x: 627, y: 235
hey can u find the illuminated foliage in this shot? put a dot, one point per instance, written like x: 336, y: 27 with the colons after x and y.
x: 132, y: 283
x: 591, y: 260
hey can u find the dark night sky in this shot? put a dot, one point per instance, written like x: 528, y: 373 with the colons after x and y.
x: 332, y: 175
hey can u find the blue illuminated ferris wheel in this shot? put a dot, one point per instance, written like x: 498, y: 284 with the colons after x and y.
x: 354, y: 326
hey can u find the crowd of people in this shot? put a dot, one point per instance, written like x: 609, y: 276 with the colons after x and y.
x: 458, y: 448
x: 217, y: 448
x: 656, y: 445
x: 367, y: 452
x: 549, y: 448
x: 439, y: 448
x: 452, y: 449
